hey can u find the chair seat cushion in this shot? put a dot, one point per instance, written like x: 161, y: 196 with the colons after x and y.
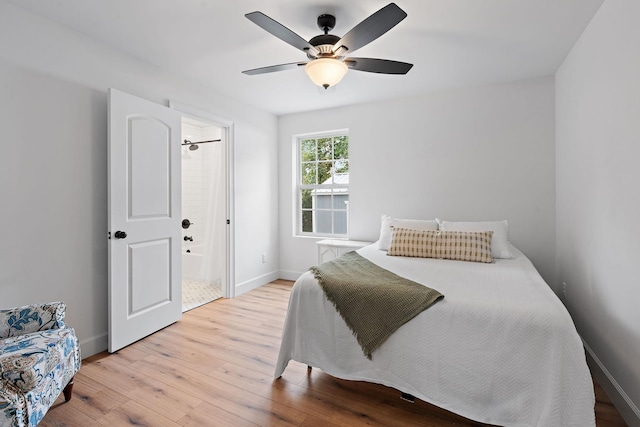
x: 27, y: 359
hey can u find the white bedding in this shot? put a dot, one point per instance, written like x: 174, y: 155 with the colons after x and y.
x: 500, y: 348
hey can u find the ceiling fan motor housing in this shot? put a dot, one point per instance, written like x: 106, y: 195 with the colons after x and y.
x: 326, y: 22
x: 324, y: 43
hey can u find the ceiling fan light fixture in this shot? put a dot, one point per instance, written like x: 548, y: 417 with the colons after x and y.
x: 326, y: 72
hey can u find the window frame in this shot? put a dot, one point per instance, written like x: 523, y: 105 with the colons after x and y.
x: 299, y: 186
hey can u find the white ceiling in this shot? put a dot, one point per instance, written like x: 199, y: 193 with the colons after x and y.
x: 452, y: 43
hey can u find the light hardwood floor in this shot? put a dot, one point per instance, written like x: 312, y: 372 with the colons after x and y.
x: 215, y: 368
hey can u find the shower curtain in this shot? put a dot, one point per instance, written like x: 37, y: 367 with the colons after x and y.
x: 212, y: 269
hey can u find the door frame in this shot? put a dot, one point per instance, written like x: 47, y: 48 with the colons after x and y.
x: 227, y: 126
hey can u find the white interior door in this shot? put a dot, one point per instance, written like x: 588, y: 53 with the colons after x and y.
x: 145, y: 283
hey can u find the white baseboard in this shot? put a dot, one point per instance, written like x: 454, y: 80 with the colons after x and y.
x: 256, y: 282
x: 620, y: 399
x: 289, y: 275
x: 94, y: 345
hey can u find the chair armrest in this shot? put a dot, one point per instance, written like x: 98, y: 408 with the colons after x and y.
x: 31, y: 318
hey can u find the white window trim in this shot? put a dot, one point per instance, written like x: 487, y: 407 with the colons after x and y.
x: 297, y: 185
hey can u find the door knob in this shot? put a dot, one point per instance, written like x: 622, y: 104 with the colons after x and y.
x: 120, y: 235
x: 186, y: 223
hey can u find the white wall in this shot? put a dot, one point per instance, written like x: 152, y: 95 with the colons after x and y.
x: 53, y: 167
x: 598, y: 202
x: 473, y: 154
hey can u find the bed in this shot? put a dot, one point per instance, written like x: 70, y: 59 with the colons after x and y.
x: 500, y: 348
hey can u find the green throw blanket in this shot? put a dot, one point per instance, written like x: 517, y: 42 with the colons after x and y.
x: 374, y: 302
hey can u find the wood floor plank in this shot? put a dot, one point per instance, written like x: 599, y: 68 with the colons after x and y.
x: 215, y: 368
x: 63, y: 414
x: 212, y: 416
x: 226, y: 396
x: 175, y: 354
x: 280, y: 391
x: 133, y: 413
x: 229, y: 351
x: 93, y: 398
x: 312, y: 421
x: 135, y: 385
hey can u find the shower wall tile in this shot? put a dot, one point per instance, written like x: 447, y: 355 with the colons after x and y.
x: 192, y: 183
x: 196, y: 175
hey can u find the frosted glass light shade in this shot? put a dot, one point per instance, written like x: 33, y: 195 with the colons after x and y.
x: 326, y: 72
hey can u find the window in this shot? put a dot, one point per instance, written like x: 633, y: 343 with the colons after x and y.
x: 323, y: 184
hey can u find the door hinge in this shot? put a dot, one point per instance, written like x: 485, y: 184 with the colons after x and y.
x: 228, y: 221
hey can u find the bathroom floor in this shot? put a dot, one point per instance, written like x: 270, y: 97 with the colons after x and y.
x: 195, y: 293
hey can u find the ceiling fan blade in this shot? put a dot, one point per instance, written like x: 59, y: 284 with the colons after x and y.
x: 371, y: 28
x: 382, y: 66
x: 280, y: 31
x: 274, y: 68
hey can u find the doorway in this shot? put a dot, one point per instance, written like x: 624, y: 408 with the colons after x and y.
x: 204, y: 249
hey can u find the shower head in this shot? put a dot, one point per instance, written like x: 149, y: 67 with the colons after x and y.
x: 193, y: 146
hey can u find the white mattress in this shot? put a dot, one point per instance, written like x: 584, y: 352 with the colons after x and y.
x: 500, y: 348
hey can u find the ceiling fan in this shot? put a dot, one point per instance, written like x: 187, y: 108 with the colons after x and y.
x: 328, y: 62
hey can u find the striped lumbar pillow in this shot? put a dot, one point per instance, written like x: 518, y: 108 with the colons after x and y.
x: 456, y: 245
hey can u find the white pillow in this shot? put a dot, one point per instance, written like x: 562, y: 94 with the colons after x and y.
x: 499, y: 242
x: 414, y: 224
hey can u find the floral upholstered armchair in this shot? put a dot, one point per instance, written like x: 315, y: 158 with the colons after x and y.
x: 39, y: 356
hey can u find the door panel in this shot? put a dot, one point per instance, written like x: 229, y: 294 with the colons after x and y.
x: 148, y: 160
x: 145, y: 284
x: 142, y: 255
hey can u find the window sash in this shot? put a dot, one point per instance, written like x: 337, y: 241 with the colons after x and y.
x: 317, y: 217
